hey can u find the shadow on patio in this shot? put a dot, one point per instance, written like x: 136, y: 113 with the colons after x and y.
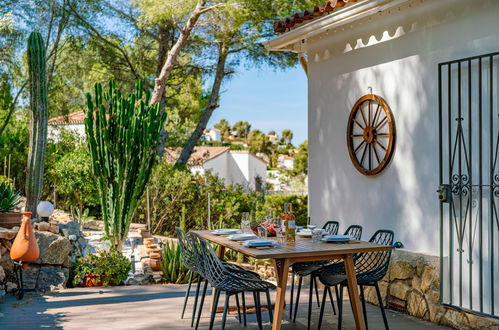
x: 152, y: 307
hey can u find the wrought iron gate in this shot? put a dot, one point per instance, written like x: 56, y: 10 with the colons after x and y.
x: 469, y: 183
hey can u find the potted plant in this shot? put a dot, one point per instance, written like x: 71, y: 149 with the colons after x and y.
x: 104, y: 269
x: 9, y: 201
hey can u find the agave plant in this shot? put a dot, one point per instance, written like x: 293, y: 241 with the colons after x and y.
x: 9, y: 198
x: 173, y: 269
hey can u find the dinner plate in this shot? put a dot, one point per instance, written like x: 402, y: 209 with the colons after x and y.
x: 259, y: 242
x: 225, y: 231
x: 307, y: 233
x: 241, y: 237
x: 337, y: 238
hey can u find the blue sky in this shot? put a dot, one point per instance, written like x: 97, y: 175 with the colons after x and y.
x: 267, y: 99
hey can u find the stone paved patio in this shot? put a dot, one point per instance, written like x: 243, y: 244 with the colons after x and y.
x: 154, y: 307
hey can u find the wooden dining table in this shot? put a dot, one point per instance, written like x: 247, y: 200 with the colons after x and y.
x: 303, y: 249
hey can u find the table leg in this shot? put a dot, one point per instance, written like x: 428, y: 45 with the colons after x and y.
x: 221, y: 254
x: 282, y: 270
x: 353, y: 292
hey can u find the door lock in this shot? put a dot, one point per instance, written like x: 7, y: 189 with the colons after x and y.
x: 444, y: 193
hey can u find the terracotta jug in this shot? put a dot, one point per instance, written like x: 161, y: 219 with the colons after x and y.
x: 25, y: 247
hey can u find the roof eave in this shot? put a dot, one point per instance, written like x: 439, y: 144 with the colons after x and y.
x: 337, y: 18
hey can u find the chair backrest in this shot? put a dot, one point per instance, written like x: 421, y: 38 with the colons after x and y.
x: 354, y: 231
x: 373, y: 266
x: 186, y: 249
x: 212, y: 267
x: 331, y: 227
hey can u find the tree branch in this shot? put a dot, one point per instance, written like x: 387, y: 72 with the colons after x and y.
x: 208, y: 110
x: 12, y: 107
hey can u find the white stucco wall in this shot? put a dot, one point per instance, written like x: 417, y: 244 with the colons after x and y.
x: 397, y: 54
x: 54, y: 131
x: 220, y: 166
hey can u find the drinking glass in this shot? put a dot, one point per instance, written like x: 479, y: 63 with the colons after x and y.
x: 311, y: 226
x: 281, y: 233
x: 245, y: 223
x: 316, y: 235
x: 262, y: 232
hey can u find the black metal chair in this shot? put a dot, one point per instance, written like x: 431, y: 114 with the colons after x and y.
x: 189, y: 261
x: 302, y: 269
x: 229, y: 279
x: 370, y: 267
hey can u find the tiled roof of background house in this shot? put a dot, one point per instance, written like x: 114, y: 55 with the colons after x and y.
x: 299, y: 19
x: 72, y: 118
x: 200, y: 155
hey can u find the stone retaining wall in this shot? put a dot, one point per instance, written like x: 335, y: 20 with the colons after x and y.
x: 412, y: 286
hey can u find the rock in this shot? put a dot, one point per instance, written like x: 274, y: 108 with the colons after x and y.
x: 7, y: 244
x: 43, y: 226
x: 2, y: 296
x: 429, y: 279
x: 416, y: 283
x: 372, y: 297
x: 54, y: 229
x: 401, y: 270
x: 10, y: 287
x: 417, y: 306
x: 7, y: 234
x: 71, y: 228
x: 44, y: 277
x: 139, y: 279
x: 399, y: 290
x: 454, y: 319
x: 54, y: 249
x: 2, y: 274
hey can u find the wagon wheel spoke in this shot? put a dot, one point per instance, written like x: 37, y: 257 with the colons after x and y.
x: 358, y: 147
x: 375, y: 118
x: 376, y: 153
x: 355, y: 121
x: 382, y: 146
x: 383, y: 134
x: 369, y: 112
x: 381, y: 123
x: 356, y: 135
x: 361, y: 110
x: 370, y: 157
x: 363, y: 155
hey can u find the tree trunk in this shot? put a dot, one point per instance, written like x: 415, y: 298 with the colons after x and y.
x: 172, y: 59
x: 208, y: 110
x: 158, y: 95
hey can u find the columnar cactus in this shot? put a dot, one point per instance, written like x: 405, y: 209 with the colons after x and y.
x: 38, y: 119
x: 122, y: 136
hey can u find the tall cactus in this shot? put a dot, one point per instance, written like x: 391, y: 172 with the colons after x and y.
x: 122, y: 136
x: 38, y: 119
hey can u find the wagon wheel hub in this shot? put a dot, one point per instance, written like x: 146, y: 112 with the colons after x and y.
x: 369, y: 134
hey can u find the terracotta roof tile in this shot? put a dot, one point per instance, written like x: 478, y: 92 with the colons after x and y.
x: 73, y: 118
x: 298, y: 19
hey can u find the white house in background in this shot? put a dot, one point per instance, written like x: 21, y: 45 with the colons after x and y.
x: 233, y: 166
x: 435, y: 64
x: 273, y: 138
x: 72, y: 122
x: 212, y: 135
x: 285, y: 161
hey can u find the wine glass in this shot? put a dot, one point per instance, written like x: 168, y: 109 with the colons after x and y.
x: 245, y: 222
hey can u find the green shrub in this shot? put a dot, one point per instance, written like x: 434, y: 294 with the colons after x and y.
x: 111, y: 266
x: 9, y: 198
x: 179, y: 198
x: 173, y: 269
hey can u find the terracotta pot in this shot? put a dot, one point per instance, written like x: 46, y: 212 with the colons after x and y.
x: 25, y: 246
x: 11, y: 219
x: 155, y: 264
x: 93, y: 280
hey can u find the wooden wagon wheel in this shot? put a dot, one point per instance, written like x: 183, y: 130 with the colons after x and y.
x: 371, y: 134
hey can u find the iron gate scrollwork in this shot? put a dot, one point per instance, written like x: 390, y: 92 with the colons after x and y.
x: 469, y: 171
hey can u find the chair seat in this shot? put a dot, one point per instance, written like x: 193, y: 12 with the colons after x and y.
x: 307, y: 268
